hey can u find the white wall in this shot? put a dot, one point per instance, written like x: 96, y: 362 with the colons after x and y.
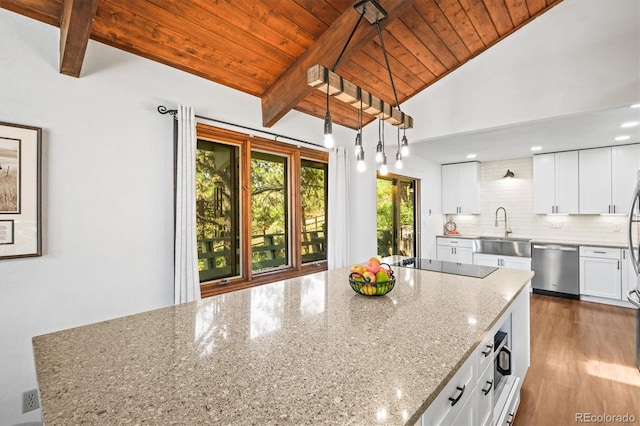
x: 580, y: 56
x: 107, y: 187
x: 516, y: 196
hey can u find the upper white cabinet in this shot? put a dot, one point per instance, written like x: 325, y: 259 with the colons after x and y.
x: 607, y: 178
x: 461, y: 188
x: 555, y: 183
x: 625, y: 161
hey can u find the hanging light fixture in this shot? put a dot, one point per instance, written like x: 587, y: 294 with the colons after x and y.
x: 361, y: 166
x: 323, y: 79
x: 404, y: 150
x: 380, y: 145
x: 399, y: 153
x: 328, y: 127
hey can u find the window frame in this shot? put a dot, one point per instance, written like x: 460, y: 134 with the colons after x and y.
x: 294, y: 154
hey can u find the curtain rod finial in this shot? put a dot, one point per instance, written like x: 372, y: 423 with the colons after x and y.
x: 164, y: 110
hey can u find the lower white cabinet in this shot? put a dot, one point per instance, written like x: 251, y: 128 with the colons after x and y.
x: 600, y: 272
x: 453, y: 399
x: 469, y: 398
x: 458, y: 250
x: 509, y: 262
x: 484, y: 396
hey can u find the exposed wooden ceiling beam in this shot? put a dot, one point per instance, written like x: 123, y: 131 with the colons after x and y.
x: 291, y: 87
x: 75, y: 29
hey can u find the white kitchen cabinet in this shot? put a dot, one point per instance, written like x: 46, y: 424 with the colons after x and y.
x: 600, y: 272
x: 452, y: 400
x: 629, y: 280
x: 471, y: 388
x: 625, y: 161
x: 458, y: 250
x: 509, y: 262
x: 607, y: 178
x: 484, y: 397
x: 461, y: 188
x: 555, y: 183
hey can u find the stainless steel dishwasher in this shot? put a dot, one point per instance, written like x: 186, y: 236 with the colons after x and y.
x: 557, y: 269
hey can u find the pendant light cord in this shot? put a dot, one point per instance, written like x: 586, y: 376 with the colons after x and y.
x: 386, y: 59
x: 344, y: 49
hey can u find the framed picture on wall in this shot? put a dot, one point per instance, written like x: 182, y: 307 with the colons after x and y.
x: 20, y: 199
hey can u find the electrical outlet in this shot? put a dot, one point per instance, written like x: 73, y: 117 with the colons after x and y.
x: 556, y: 225
x: 616, y: 227
x: 30, y: 400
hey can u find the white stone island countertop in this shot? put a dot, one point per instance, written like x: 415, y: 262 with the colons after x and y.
x: 307, y: 351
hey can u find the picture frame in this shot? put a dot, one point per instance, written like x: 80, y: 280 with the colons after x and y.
x: 20, y: 191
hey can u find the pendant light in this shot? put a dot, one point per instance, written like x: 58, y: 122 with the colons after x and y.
x: 328, y: 127
x: 404, y: 150
x: 361, y: 166
x: 399, y: 153
x: 379, y: 146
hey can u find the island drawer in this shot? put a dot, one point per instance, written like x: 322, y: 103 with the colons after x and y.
x: 485, y: 352
x: 454, y: 396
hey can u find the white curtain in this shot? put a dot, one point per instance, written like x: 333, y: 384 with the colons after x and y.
x: 186, y: 279
x: 337, y: 234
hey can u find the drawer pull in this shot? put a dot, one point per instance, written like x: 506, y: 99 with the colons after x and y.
x: 455, y: 400
x: 510, y: 418
x: 600, y: 252
x: 487, y: 390
x: 488, y: 351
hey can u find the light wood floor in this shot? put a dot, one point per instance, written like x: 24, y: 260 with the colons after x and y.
x: 582, y: 361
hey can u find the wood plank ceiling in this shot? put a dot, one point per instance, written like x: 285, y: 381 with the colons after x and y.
x: 263, y: 47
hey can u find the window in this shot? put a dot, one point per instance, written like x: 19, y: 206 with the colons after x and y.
x: 269, y: 214
x: 260, y: 210
x: 313, y: 193
x: 217, y: 208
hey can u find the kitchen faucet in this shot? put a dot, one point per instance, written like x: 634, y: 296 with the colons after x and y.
x: 507, y: 230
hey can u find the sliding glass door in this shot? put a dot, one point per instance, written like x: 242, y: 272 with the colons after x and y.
x: 396, y: 215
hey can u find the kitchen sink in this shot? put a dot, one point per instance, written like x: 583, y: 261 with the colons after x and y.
x: 503, y: 246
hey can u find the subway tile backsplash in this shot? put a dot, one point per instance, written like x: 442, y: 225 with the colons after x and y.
x: 516, y: 196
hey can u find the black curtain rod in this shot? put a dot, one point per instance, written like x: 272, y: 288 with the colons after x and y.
x: 174, y: 112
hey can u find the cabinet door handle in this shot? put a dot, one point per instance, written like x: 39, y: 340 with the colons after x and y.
x: 455, y: 400
x: 609, y: 208
x: 510, y: 418
x: 624, y: 254
x: 488, y: 351
x: 618, y: 265
x: 487, y: 390
x: 614, y: 208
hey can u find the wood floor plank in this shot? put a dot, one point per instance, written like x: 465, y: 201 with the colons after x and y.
x: 583, y: 360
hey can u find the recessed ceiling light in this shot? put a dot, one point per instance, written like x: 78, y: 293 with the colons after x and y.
x: 635, y: 106
x: 623, y: 137
x: 536, y: 148
x: 629, y: 124
x: 471, y: 155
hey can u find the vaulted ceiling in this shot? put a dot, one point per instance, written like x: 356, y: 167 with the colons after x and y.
x: 264, y: 47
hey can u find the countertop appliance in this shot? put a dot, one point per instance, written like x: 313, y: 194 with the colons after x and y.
x: 475, y: 271
x: 557, y: 269
x: 634, y: 245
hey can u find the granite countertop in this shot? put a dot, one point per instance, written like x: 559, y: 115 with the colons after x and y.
x: 307, y: 350
x: 612, y: 244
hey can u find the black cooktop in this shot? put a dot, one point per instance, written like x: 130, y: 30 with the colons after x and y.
x: 476, y: 271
